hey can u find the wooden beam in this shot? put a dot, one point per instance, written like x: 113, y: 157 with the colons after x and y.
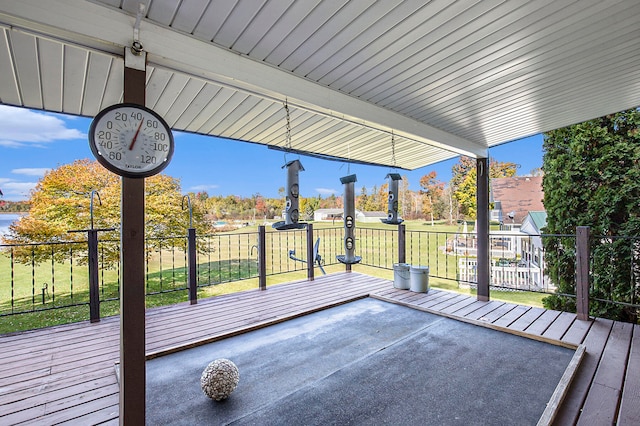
x: 132, y: 287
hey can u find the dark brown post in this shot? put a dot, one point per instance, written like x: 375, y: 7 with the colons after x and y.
x: 132, y: 290
x: 402, y: 251
x: 94, y: 285
x: 192, y: 266
x: 94, y: 289
x: 262, y: 257
x: 482, y: 198
x: 310, y: 257
x: 582, y: 273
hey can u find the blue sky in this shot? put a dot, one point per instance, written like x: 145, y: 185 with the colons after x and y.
x: 33, y: 142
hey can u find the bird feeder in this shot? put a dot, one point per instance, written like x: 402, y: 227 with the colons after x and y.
x: 292, y: 203
x: 392, y: 209
x: 349, y: 222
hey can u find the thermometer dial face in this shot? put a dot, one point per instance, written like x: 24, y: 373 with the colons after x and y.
x: 131, y: 140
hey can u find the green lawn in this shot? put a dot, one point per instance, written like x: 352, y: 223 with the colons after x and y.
x: 227, y: 263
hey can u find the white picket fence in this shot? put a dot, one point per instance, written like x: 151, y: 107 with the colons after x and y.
x: 508, y: 277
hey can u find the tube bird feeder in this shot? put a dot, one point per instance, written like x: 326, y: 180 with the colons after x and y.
x: 392, y: 208
x: 349, y: 222
x: 292, y: 201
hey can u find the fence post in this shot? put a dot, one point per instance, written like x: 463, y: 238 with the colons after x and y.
x: 310, y: 255
x: 402, y: 251
x: 582, y: 272
x: 192, y: 266
x: 262, y: 257
x: 94, y: 291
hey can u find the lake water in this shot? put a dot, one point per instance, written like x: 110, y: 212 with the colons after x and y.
x: 7, y: 219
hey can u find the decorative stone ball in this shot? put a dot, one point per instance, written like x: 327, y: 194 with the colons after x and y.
x: 219, y: 379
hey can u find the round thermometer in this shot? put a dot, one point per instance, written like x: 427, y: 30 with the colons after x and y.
x: 131, y: 140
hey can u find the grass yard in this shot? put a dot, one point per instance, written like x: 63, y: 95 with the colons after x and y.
x: 227, y: 263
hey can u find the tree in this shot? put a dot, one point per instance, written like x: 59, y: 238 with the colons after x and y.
x: 308, y: 206
x: 382, y: 198
x: 433, y: 189
x: 362, y: 200
x: 463, y: 181
x: 403, y: 189
x: 592, y: 178
x: 61, y: 202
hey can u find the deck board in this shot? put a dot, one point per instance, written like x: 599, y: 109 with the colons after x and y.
x: 65, y: 374
x: 560, y: 326
x: 542, y: 323
x: 573, y: 403
x: 478, y: 308
x: 608, y: 378
x: 512, y: 316
x: 526, y: 319
x: 629, y: 406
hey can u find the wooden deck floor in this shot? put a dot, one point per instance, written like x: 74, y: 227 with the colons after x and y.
x: 65, y: 374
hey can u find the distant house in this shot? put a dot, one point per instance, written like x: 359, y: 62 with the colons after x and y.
x: 327, y: 215
x: 514, y: 198
x: 532, y: 249
x: 370, y: 217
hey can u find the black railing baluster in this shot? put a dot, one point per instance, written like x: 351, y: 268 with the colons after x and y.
x: 13, y: 295
x: 53, y: 290
x: 33, y: 278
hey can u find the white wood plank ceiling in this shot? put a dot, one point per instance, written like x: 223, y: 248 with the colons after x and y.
x: 444, y: 77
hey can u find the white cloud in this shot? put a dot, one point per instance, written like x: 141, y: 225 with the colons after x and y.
x: 327, y: 191
x: 10, y: 144
x: 16, y: 191
x: 21, y: 126
x: 200, y: 188
x: 40, y: 172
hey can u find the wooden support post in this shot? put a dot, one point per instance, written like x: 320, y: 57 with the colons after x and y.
x: 482, y: 230
x: 402, y: 251
x: 94, y: 282
x: 132, y: 289
x: 94, y: 287
x: 192, y: 266
x: 310, y: 255
x: 582, y: 272
x: 262, y: 257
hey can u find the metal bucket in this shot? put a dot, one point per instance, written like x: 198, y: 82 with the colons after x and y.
x: 401, y: 275
x: 419, y: 279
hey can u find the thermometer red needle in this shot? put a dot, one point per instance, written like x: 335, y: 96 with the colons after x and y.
x: 135, y: 136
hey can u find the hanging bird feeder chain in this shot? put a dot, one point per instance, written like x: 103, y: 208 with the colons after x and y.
x: 393, y: 150
x: 288, y: 126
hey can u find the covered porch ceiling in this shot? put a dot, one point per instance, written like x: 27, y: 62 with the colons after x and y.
x: 443, y: 77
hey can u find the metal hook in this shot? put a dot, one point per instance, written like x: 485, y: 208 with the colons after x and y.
x: 190, y: 209
x: 94, y: 192
x: 136, y: 46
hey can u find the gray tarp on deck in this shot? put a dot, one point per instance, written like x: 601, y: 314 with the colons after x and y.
x: 367, y: 362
